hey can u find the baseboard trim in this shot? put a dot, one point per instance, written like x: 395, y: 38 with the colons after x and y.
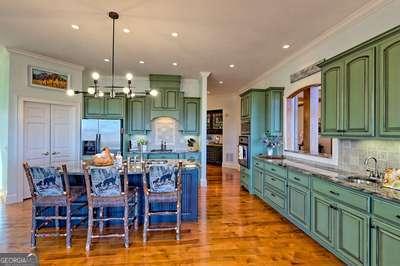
x: 231, y: 165
x: 11, y: 198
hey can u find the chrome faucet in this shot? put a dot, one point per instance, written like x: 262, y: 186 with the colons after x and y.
x: 372, y: 173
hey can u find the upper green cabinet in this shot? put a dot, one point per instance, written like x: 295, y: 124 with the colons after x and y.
x: 356, y: 81
x: 138, y: 115
x: 274, y: 111
x: 168, y: 87
x: 245, y: 106
x: 389, y: 87
x: 104, y: 107
x: 191, y: 115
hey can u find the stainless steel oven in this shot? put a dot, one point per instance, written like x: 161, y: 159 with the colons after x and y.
x: 244, y: 151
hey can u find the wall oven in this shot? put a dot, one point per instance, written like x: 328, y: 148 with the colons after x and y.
x: 245, y: 126
x: 244, y: 151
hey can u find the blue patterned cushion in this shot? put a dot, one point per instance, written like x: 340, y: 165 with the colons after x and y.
x: 162, y: 178
x: 105, y: 181
x: 47, y: 181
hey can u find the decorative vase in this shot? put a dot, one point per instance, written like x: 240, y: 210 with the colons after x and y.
x: 270, y: 151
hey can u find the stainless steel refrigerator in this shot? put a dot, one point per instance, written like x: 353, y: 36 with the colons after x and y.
x: 99, y: 133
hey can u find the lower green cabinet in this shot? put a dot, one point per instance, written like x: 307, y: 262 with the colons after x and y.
x: 258, y: 181
x: 164, y: 156
x: 322, y: 220
x: 299, y: 205
x: 385, y: 244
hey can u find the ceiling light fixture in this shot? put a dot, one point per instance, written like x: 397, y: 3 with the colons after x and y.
x: 221, y: 82
x: 106, y: 60
x: 174, y: 34
x: 95, y: 90
x: 175, y: 64
x: 231, y: 65
x: 286, y: 46
x: 141, y: 62
x: 75, y: 27
x: 126, y: 30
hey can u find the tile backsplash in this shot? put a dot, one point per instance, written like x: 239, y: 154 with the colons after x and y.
x: 352, y: 154
x: 164, y: 129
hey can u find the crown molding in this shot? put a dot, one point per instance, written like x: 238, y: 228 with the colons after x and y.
x: 366, y: 10
x: 45, y: 58
x: 205, y: 74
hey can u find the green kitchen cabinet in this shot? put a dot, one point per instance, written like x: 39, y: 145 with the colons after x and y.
x: 299, y: 205
x: 323, y: 220
x: 163, y: 156
x: 104, y: 107
x: 93, y: 107
x: 359, y: 94
x: 389, y: 87
x: 114, y: 107
x: 385, y: 243
x: 331, y: 95
x: 191, y: 115
x: 191, y: 156
x: 168, y: 87
x: 274, y: 111
x: 258, y: 181
x: 138, y: 119
x: 245, y: 106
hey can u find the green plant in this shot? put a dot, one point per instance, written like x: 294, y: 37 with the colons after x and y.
x: 142, y: 141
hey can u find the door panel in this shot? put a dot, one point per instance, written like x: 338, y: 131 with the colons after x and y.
x: 170, y: 99
x: 63, y: 134
x: 389, y: 87
x: 359, y: 94
x: 158, y: 100
x: 114, y: 107
x: 299, y: 205
x: 192, y: 115
x: 385, y: 244
x: 110, y: 134
x: 94, y: 107
x: 258, y: 182
x: 322, y: 220
x: 136, y: 115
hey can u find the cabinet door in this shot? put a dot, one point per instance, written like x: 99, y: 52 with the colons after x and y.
x: 94, y: 107
x: 170, y: 99
x: 331, y: 112
x: 136, y: 115
x: 245, y: 106
x: 322, y: 220
x: 258, y: 182
x: 157, y: 101
x: 385, y: 244
x: 114, y: 107
x: 191, y: 115
x: 359, y: 94
x: 389, y: 87
x: 299, y: 205
x: 352, y: 234
x: 274, y: 113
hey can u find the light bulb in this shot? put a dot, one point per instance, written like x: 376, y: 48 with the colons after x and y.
x: 95, y: 75
x: 70, y: 92
x: 91, y: 90
x: 133, y: 95
x: 153, y: 92
x: 129, y: 76
x: 101, y: 94
x: 125, y: 90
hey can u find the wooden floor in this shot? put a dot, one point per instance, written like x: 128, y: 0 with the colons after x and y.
x: 234, y: 228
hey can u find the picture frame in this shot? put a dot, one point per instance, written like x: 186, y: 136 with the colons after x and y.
x: 48, y: 79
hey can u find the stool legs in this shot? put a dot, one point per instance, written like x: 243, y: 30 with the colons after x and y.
x: 146, y: 220
x: 68, y: 227
x: 136, y: 224
x: 33, y: 229
x: 178, y: 220
x: 126, y: 226
x: 90, y: 229
x: 101, y: 223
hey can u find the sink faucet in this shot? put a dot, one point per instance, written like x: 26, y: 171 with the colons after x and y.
x: 372, y: 173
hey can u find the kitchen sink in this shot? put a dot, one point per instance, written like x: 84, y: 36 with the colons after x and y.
x: 362, y: 180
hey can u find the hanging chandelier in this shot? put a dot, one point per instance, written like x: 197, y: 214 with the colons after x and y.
x: 98, y: 91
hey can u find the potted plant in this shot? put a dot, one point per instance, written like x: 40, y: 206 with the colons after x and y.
x: 271, y: 143
x: 142, y: 144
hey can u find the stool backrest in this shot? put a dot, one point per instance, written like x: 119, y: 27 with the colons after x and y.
x: 44, y: 181
x: 103, y: 181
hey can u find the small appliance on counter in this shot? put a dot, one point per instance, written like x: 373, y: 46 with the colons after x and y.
x: 192, y: 145
x: 392, y: 178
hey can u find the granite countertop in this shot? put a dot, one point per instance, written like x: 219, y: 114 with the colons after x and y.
x: 214, y: 144
x: 75, y: 167
x: 336, y: 176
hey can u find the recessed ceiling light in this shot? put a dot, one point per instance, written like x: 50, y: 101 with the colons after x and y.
x: 221, y: 82
x: 141, y: 62
x: 106, y: 60
x: 75, y: 27
x: 231, y: 65
x: 208, y: 92
x: 126, y: 30
x: 286, y: 46
x: 174, y: 34
x: 174, y: 63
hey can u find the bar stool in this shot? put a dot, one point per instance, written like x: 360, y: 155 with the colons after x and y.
x: 49, y: 190
x: 163, y: 184
x: 104, y: 189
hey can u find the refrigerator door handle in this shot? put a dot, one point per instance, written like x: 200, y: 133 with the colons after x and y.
x: 98, y: 143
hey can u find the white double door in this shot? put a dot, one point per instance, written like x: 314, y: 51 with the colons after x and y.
x: 49, y: 135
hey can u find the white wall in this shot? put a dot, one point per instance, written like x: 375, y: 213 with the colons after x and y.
x: 18, y: 90
x: 373, y: 19
x: 230, y: 104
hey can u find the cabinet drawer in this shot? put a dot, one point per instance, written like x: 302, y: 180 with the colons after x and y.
x: 276, y: 170
x: 275, y: 198
x: 258, y: 163
x: 341, y: 194
x: 277, y: 183
x: 299, y: 178
x: 244, y: 178
x: 387, y: 210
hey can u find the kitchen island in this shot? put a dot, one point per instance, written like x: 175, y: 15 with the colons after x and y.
x: 190, y: 177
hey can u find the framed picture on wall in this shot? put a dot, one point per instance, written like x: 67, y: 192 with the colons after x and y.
x: 45, y: 78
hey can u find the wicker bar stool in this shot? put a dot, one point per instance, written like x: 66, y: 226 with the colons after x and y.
x: 104, y: 190
x: 50, y: 190
x: 163, y: 184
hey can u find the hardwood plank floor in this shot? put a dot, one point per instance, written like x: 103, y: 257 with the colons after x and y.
x: 234, y: 228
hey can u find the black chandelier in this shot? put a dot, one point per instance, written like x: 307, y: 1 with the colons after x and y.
x: 97, y: 91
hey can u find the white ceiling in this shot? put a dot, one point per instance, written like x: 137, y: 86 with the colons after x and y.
x: 212, y: 33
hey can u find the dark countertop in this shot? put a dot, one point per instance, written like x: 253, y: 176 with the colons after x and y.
x: 162, y: 152
x: 214, y: 145
x: 336, y: 176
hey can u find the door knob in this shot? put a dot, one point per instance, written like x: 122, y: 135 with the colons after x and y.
x: 46, y: 153
x: 55, y: 153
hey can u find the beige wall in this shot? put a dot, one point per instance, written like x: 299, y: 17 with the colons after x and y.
x: 230, y: 104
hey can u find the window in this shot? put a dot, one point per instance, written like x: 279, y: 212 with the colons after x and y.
x: 304, y: 123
